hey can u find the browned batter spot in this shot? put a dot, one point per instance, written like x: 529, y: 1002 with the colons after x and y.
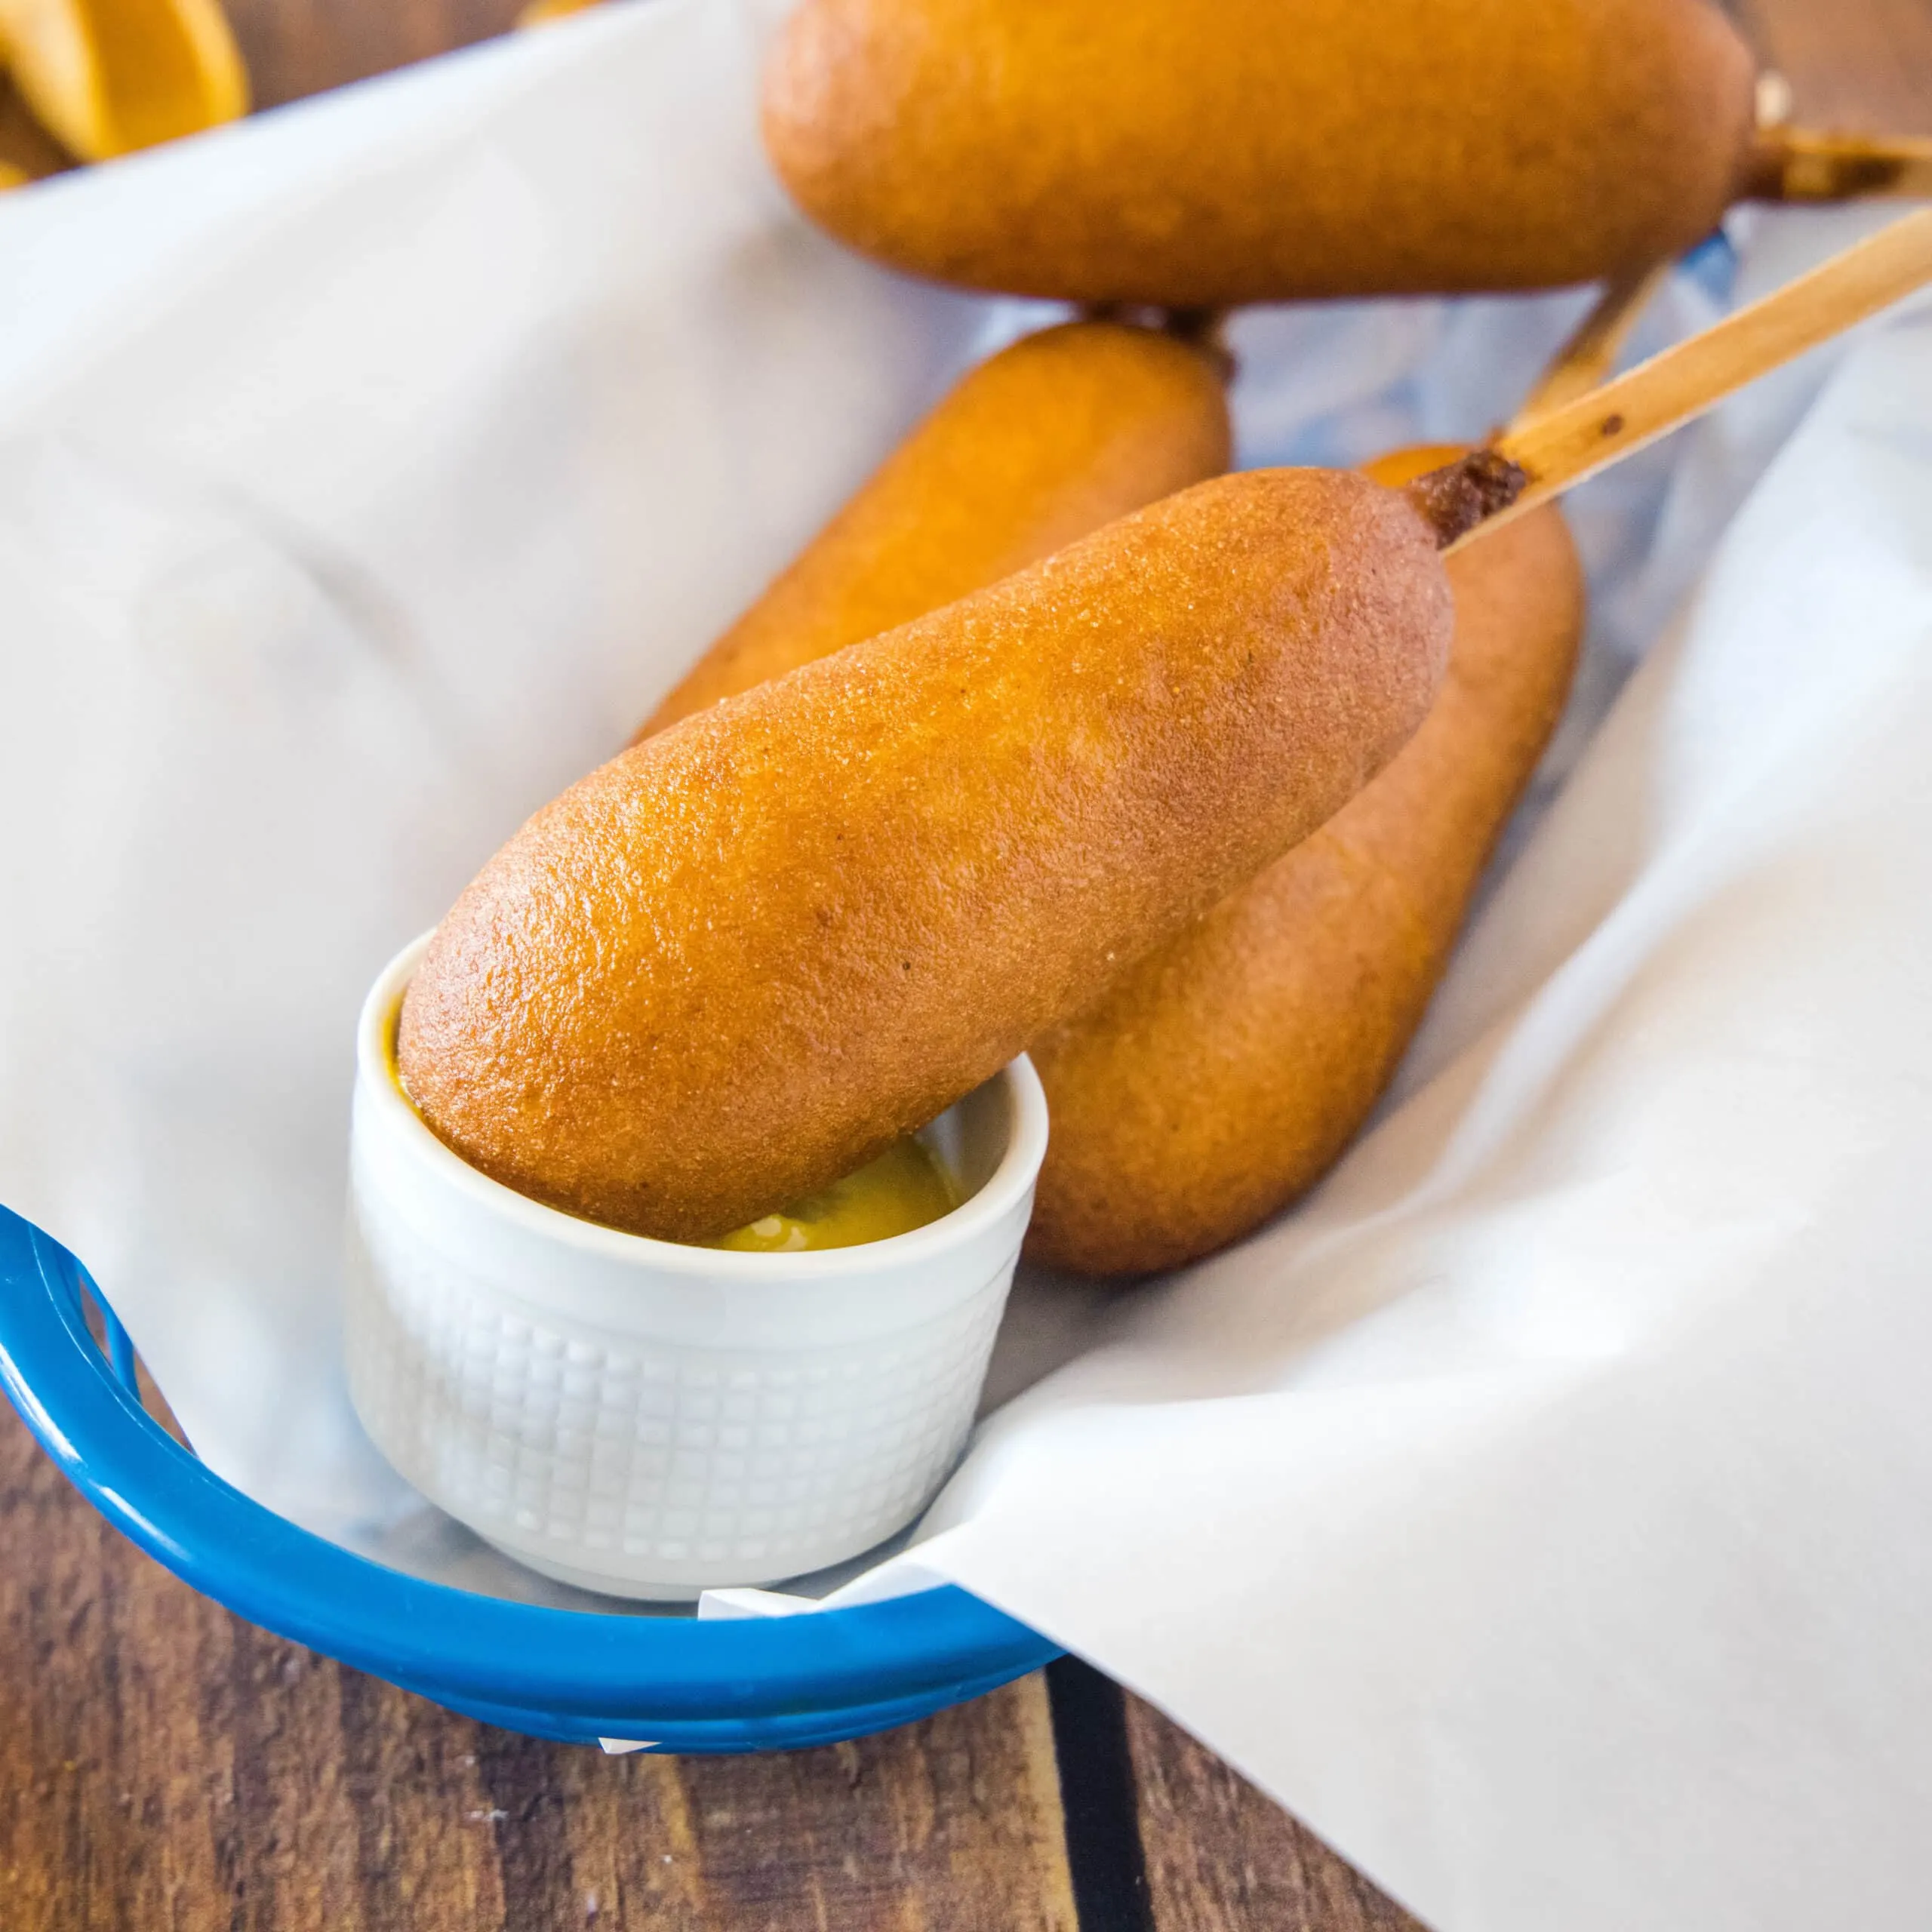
x: 1454, y: 499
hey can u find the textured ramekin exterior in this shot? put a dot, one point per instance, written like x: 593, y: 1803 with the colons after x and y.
x: 651, y: 1419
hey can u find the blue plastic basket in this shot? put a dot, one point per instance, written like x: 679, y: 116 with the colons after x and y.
x: 757, y: 1684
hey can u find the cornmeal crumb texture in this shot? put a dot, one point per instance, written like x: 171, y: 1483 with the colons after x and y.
x: 745, y: 955
x: 1222, y: 1076
x: 1257, y: 150
x: 1043, y: 443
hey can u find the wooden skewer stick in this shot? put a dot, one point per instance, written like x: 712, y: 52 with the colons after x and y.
x: 1581, y: 364
x: 1813, y: 164
x: 1526, y: 466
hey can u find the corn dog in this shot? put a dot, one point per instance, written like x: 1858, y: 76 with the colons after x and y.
x: 1141, y: 151
x: 747, y: 953
x: 1056, y: 434
x: 759, y: 947
x: 105, y: 79
x: 1224, y: 1073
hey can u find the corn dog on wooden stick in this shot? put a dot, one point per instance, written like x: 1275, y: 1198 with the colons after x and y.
x: 1223, y: 1073
x: 752, y: 951
x: 1122, y: 151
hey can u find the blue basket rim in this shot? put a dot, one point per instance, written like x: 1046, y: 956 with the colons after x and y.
x: 300, y: 1586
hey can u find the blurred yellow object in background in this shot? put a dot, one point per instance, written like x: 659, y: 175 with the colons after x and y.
x: 541, y: 13
x: 11, y: 177
x: 105, y: 77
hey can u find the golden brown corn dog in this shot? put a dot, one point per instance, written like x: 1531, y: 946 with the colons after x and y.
x: 747, y: 953
x: 1042, y: 443
x: 1148, y: 151
x: 1222, y: 1076
x: 752, y: 951
x: 105, y: 79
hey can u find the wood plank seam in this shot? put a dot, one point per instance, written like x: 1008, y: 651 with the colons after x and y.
x: 1098, y: 1802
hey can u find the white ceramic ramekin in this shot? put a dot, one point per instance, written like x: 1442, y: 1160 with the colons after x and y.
x: 650, y: 1420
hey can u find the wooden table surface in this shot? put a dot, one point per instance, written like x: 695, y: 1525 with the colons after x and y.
x: 165, y: 1768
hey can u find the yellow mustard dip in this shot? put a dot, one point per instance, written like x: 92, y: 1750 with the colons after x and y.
x: 902, y: 1190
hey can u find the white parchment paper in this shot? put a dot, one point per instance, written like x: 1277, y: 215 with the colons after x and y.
x: 1539, y: 1511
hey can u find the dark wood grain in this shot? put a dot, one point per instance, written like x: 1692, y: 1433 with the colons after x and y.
x: 167, y: 1768
x: 1221, y: 1858
x: 294, y: 48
